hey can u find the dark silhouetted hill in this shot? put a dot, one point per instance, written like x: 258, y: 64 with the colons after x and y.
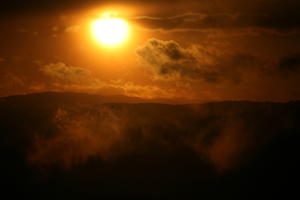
x: 78, y: 146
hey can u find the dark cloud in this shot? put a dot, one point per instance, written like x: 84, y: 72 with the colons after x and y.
x: 168, y: 60
x: 231, y: 20
x: 192, y: 21
x: 290, y: 63
x: 201, y: 68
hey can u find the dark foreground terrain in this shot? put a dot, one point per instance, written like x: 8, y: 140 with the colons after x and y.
x: 77, y: 146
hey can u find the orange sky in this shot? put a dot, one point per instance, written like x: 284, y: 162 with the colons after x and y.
x: 192, y: 50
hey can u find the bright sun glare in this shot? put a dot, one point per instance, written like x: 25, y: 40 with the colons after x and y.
x: 109, y: 30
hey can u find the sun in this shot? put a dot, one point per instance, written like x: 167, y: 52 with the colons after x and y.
x: 109, y: 30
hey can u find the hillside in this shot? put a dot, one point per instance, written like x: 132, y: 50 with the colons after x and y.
x: 84, y: 146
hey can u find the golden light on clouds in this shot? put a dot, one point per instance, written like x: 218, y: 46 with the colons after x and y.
x: 109, y: 30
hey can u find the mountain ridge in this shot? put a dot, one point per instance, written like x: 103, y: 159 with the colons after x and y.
x: 76, y: 145
x: 126, y: 99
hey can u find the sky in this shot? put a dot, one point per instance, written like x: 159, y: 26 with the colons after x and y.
x: 191, y: 50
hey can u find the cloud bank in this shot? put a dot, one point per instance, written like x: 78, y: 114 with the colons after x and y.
x: 168, y: 60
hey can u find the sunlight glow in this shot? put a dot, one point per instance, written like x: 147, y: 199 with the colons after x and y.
x: 110, y: 31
